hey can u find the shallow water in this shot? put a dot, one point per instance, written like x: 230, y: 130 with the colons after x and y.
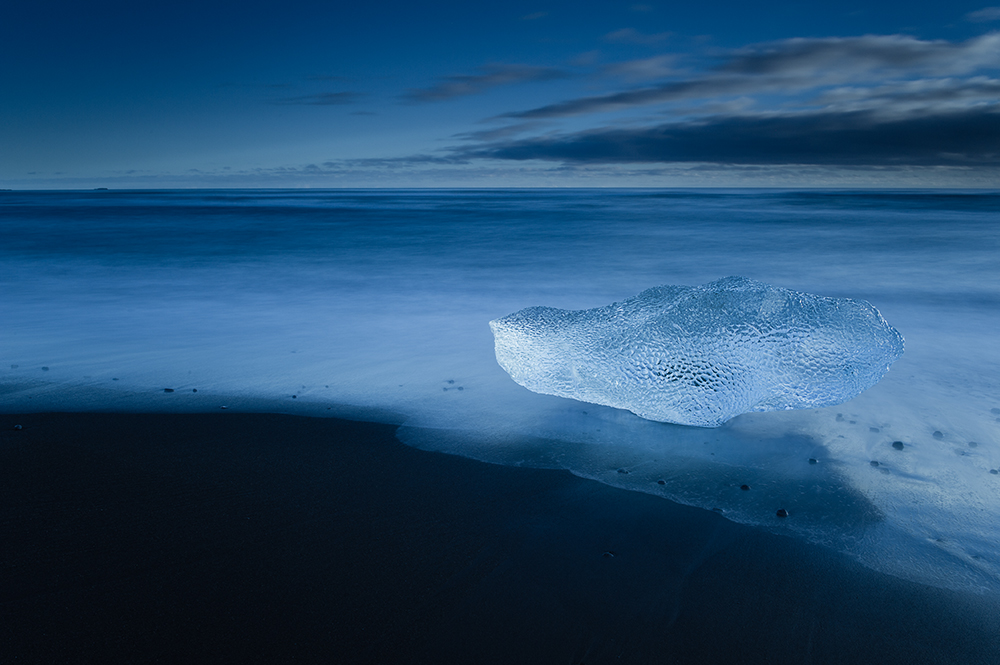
x: 362, y: 300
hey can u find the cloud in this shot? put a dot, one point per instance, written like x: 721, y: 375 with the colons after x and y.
x: 984, y: 15
x: 918, y: 95
x: 490, y: 77
x: 969, y: 137
x: 667, y: 92
x: 795, y: 66
x: 632, y: 36
x: 869, y: 54
x: 657, y: 67
x: 499, y: 132
x: 320, y: 99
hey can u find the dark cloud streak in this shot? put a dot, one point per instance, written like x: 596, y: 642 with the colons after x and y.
x: 796, y: 65
x: 491, y: 76
x: 966, y: 138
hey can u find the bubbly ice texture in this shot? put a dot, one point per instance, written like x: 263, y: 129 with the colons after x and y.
x: 702, y: 355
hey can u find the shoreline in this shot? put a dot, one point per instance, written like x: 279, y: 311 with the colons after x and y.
x: 254, y: 537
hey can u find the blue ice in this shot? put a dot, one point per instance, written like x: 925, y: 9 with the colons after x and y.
x: 702, y: 355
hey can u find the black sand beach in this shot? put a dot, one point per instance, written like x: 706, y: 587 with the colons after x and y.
x: 255, y: 538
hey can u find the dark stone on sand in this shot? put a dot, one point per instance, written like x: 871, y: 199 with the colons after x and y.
x: 295, y: 396
x: 938, y: 435
x: 194, y: 390
x: 461, y: 388
x: 223, y: 407
x: 873, y: 463
x: 813, y: 460
x: 874, y: 430
x: 994, y: 471
x: 973, y: 444
x: 623, y: 471
x: 840, y: 417
x: 17, y: 427
x: 745, y: 488
x: 854, y: 422
x: 450, y: 381
x: 45, y: 369
x: 114, y: 379
x: 782, y: 512
x: 661, y: 482
x: 168, y: 390
x: 898, y: 445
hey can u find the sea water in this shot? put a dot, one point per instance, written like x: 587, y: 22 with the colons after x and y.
x: 376, y: 303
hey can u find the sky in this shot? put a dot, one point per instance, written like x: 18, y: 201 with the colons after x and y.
x: 264, y: 93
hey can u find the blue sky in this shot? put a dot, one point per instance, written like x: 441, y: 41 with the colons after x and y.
x: 337, y: 94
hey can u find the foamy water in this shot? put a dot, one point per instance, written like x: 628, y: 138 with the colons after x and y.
x: 366, y: 302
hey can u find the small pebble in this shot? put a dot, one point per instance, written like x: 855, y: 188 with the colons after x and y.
x: 873, y: 463
x: 194, y: 390
x: 840, y: 417
x: 745, y: 488
x: 994, y: 471
x: 938, y: 435
x: 973, y: 444
x: 813, y: 460
x: 874, y: 430
x: 661, y: 482
x: 782, y: 512
x: 114, y: 379
x: 623, y: 471
x: 17, y: 427
x: 223, y: 407
x: 898, y: 445
x: 45, y: 369
x: 168, y: 390
x: 294, y: 396
x: 853, y: 422
x: 451, y: 381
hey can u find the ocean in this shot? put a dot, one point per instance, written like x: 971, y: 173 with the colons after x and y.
x: 374, y: 305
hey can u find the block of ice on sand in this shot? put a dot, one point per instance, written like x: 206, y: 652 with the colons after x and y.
x: 702, y: 355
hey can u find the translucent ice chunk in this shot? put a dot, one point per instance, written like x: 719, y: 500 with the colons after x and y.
x: 702, y: 355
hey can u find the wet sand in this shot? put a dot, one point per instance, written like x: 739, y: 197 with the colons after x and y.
x: 258, y: 538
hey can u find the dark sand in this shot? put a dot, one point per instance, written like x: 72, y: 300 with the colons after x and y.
x: 249, y: 538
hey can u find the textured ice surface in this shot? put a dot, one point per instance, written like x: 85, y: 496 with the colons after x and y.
x: 702, y: 355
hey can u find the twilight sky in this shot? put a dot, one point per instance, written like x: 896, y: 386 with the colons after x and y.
x: 262, y: 93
